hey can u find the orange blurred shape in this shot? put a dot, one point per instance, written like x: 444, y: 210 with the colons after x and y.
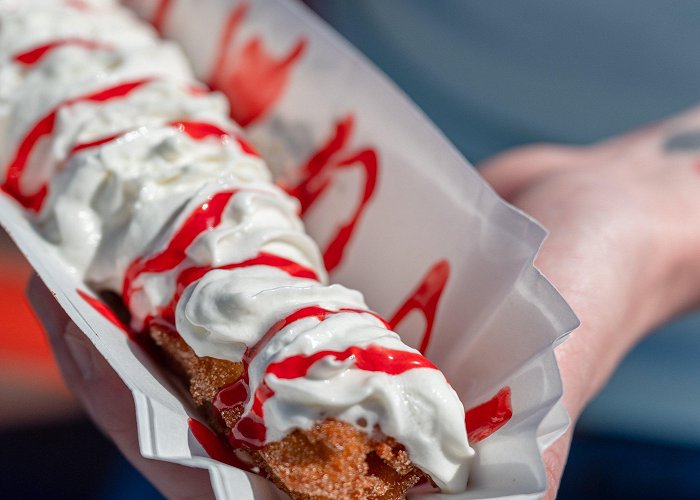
x: 21, y: 335
x: 31, y: 387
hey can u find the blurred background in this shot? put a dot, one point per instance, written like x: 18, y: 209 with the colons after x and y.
x: 491, y: 75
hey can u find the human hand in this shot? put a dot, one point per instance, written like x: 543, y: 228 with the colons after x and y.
x: 106, y: 399
x: 621, y: 249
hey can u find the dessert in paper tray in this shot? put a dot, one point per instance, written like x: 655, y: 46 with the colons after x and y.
x: 125, y: 177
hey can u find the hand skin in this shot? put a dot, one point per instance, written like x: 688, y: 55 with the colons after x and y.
x: 622, y: 247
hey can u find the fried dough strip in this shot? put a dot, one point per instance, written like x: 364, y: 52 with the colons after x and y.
x: 331, y: 460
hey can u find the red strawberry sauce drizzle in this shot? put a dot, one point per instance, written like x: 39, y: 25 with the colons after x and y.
x: 250, y: 76
x: 425, y: 299
x: 486, y: 418
x: 105, y: 311
x: 250, y: 430
x: 165, y: 316
x: 203, y: 130
x: 34, y: 55
x: 214, y: 447
x: 481, y: 421
x: 206, y: 216
x: 45, y: 127
x: 197, y: 130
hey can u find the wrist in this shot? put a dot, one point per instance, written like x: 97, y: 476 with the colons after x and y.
x: 607, y: 261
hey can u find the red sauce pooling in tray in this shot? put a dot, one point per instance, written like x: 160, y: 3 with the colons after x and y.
x: 251, y: 77
x: 425, y: 299
x: 36, y: 54
x: 488, y: 417
x: 105, y: 311
x: 316, y: 178
x: 213, y: 445
x: 45, y: 127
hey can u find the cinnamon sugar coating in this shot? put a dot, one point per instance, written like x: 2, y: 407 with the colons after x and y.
x: 331, y: 460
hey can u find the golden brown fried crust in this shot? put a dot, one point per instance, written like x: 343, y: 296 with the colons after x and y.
x: 331, y: 460
x: 336, y: 460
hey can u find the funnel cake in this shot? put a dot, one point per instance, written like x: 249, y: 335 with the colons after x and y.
x: 137, y: 175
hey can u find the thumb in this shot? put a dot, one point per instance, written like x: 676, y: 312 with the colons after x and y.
x: 106, y: 398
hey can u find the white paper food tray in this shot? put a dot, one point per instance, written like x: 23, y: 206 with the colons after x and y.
x: 418, y: 207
